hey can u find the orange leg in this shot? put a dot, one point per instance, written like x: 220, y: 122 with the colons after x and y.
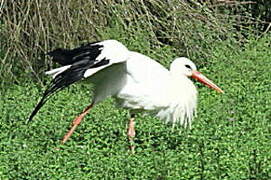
x: 131, y: 134
x: 76, y: 122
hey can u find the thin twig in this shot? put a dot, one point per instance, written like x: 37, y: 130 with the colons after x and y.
x: 268, y: 28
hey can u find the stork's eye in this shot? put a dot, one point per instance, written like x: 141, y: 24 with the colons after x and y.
x: 189, y: 67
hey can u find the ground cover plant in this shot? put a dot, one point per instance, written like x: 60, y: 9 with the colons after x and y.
x: 229, y: 139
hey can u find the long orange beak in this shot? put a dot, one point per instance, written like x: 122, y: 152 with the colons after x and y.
x: 204, y: 80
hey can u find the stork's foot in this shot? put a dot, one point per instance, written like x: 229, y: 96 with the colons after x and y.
x: 131, y: 134
x: 75, y: 123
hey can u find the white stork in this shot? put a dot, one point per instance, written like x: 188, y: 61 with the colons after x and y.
x: 136, y: 81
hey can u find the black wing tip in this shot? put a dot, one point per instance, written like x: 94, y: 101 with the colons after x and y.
x: 38, y: 107
x: 31, y: 117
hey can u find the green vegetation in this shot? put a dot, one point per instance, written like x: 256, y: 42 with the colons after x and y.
x: 230, y: 137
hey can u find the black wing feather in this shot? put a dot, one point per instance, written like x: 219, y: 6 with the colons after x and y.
x: 65, y: 57
x: 80, y: 59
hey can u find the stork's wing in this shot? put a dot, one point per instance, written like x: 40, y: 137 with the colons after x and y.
x: 80, y: 63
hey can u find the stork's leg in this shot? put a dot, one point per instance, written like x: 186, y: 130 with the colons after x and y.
x: 76, y: 122
x: 131, y: 133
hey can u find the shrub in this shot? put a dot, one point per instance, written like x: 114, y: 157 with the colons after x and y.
x: 32, y: 28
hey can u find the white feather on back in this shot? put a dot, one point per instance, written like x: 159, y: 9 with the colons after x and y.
x: 113, y: 51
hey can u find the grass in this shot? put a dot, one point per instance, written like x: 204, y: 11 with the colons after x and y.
x: 229, y: 139
x: 29, y: 29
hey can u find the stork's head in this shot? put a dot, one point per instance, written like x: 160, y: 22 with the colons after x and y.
x: 184, y: 66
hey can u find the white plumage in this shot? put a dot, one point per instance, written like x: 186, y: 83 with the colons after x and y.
x: 152, y: 87
x: 136, y: 81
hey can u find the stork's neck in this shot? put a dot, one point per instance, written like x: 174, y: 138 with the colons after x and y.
x: 181, y: 81
x: 182, y: 100
x: 177, y: 77
x: 182, y: 89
